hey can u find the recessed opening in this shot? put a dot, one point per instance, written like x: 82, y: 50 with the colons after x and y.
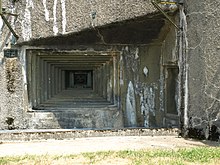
x: 171, y: 89
x: 78, y: 79
x: 65, y: 80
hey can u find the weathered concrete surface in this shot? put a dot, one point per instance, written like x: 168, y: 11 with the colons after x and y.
x: 149, y: 53
x: 67, y: 16
x: 141, y: 66
x: 76, y: 118
x: 143, y: 71
x: 62, y: 134
x: 12, y: 106
x: 204, y: 66
x: 145, y: 87
x: 133, y: 31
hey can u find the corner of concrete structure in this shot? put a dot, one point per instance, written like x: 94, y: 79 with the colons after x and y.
x: 203, y: 67
x: 12, y: 94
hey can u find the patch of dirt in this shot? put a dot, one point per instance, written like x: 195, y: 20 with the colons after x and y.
x: 95, y: 144
x: 115, y: 161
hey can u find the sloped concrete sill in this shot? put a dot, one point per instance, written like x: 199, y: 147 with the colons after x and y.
x: 61, y: 134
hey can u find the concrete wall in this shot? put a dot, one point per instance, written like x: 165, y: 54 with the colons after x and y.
x: 12, y: 102
x: 37, y: 19
x: 143, y: 80
x: 139, y: 79
x: 203, y: 58
x: 139, y: 84
x: 138, y: 75
x: 142, y: 66
x: 48, y: 18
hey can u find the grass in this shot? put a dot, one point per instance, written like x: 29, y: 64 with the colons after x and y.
x: 202, y: 155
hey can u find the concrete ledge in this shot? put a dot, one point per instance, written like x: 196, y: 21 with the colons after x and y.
x: 60, y: 134
x: 77, y: 118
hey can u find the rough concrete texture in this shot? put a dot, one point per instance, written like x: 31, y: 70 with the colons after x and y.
x: 61, y: 134
x: 137, y: 78
x: 124, y: 32
x: 67, y: 16
x: 143, y: 81
x: 12, y: 101
x: 77, y: 118
x: 141, y: 91
x: 161, y: 78
x: 204, y: 66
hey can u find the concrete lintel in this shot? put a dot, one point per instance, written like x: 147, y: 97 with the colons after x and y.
x: 52, y: 52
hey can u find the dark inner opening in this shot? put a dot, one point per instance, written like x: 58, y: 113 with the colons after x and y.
x: 78, y: 79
